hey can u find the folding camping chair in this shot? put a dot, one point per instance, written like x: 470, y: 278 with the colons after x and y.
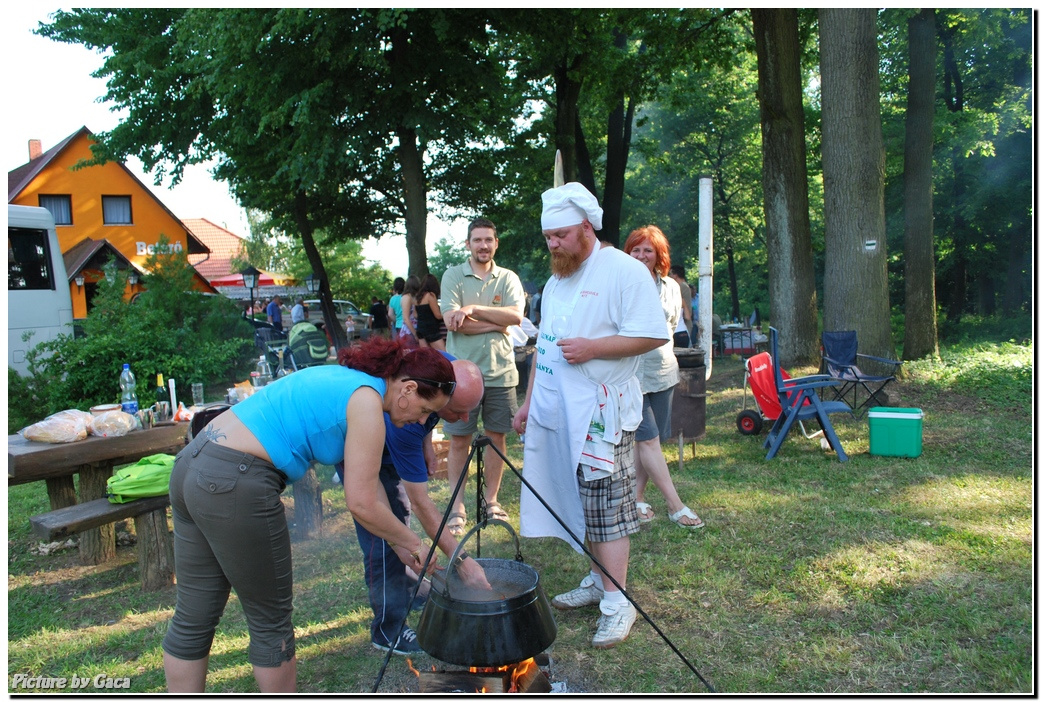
x: 839, y: 354
x: 794, y: 394
x: 759, y: 378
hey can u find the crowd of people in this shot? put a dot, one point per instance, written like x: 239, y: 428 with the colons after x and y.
x: 592, y: 413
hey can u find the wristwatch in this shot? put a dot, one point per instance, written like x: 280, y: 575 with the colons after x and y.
x: 462, y: 557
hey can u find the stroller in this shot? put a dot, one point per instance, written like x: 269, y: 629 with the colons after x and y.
x: 308, y: 346
x: 759, y: 375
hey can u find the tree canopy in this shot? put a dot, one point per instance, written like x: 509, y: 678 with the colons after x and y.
x: 345, y: 123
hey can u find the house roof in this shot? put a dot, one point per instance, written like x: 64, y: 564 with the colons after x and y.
x: 224, y: 245
x: 93, y: 253
x: 21, y: 177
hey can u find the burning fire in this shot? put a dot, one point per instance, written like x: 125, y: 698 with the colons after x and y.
x: 517, y: 672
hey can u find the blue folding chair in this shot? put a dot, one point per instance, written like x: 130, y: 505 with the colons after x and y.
x: 800, y: 402
x: 839, y: 353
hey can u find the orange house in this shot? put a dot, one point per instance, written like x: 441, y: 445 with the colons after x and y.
x: 100, y: 213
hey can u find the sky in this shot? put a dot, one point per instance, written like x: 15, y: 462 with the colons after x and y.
x: 64, y: 97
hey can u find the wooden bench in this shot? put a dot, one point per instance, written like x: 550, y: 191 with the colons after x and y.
x: 154, y: 545
x: 93, y: 459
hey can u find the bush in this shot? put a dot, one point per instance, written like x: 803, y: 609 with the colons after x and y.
x: 183, y: 335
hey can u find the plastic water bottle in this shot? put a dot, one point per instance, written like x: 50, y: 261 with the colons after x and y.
x: 263, y: 371
x: 128, y: 390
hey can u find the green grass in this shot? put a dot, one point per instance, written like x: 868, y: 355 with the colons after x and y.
x: 879, y: 575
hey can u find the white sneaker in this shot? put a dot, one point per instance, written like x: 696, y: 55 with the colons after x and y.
x: 614, y: 628
x: 587, y: 593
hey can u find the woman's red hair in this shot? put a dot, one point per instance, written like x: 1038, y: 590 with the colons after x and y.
x: 384, y: 358
x: 658, y: 242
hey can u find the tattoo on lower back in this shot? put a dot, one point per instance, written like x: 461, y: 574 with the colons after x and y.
x: 212, y: 434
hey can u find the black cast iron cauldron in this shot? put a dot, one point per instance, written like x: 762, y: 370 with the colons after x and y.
x: 507, y: 625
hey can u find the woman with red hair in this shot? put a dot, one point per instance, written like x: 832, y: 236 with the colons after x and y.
x: 658, y: 373
x: 230, y: 528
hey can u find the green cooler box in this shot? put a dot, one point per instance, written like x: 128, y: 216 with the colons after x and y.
x: 895, y: 431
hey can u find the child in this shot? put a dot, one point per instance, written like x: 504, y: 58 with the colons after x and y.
x: 349, y: 325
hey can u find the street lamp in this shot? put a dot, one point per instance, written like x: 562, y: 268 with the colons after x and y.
x: 313, y: 283
x: 133, y: 278
x: 249, y: 279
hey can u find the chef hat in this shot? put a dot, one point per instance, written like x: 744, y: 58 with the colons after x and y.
x: 568, y: 205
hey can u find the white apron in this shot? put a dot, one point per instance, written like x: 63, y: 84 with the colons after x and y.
x: 562, y: 403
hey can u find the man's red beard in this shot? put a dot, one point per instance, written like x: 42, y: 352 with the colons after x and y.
x: 564, y: 263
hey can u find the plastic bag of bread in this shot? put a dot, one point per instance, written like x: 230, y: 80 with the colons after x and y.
x: 113, y: 423
x: 60, y: 428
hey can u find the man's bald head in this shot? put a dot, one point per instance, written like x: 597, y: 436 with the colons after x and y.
x: 469, y: 389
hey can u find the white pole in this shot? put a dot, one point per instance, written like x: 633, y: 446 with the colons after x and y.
x: 705, y: 271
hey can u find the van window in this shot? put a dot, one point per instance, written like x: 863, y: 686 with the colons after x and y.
x: 28, y: 260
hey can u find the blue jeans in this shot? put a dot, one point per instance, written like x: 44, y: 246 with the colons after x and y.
x: 389, y: 585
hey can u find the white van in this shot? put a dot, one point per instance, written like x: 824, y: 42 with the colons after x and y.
x: 38, y: 298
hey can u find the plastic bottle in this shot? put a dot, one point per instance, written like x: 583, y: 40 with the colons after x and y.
x: 128, y: 390
x: 263, y: 371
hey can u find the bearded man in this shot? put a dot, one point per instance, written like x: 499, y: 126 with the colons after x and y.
x: 600, y: 312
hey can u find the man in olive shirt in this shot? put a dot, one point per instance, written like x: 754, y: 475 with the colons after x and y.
x: 479, y: 300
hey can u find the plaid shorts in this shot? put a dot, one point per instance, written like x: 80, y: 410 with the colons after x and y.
x: 609, y: 504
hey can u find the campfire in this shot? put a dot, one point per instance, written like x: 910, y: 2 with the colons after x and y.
x: 526, y: 676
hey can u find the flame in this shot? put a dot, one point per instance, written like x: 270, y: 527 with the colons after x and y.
x: 519, y: 671
x: 411, y: 667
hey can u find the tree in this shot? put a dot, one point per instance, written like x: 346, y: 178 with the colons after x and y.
x: 793, y: 291
x: 920, y: 337
x: 446, y: 255
x: 329, y: 120
x: 856, y: 291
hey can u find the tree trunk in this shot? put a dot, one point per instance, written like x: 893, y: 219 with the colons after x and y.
x: 792, y: 284
x: 61, y: 491
x: 619, y: 131
x: 307, y: 505
x: 96, y: 545
x: 920, y: 336
x: 735, y: 301
x: 325, y: 297
x: 567, y: 116
x: 856, y: 286
x: 414, y: 182
x: 582, y: 161
x: 154, y: 550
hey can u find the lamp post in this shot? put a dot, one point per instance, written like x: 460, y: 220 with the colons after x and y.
x: 249, y: 279
x: 313, y: 282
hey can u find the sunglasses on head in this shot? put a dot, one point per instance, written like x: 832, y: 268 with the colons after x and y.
x: 446, y: 386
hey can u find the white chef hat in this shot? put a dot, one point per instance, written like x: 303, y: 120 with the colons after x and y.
x: 568, y: 205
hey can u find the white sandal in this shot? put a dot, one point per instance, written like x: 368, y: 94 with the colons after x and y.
x: 642, y: 508
x: 686, y: 512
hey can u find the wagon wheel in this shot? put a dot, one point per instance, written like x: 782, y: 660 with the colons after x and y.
x: 749, y: 422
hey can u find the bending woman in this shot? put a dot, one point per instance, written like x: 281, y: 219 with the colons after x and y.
x: 230, y: 528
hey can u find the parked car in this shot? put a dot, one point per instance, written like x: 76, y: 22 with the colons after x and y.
x: 343, y: 308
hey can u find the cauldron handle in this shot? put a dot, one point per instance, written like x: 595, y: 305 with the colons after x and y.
x: 476, y: 528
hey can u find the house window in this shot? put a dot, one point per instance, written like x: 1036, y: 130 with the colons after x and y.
x: 28, y: 260
x: 116, y: 209
x: 60, y: 207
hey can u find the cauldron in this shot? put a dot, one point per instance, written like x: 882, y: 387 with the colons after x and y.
x: 482, y: 628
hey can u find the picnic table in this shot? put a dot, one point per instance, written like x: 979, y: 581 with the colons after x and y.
x: 93, y: 458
